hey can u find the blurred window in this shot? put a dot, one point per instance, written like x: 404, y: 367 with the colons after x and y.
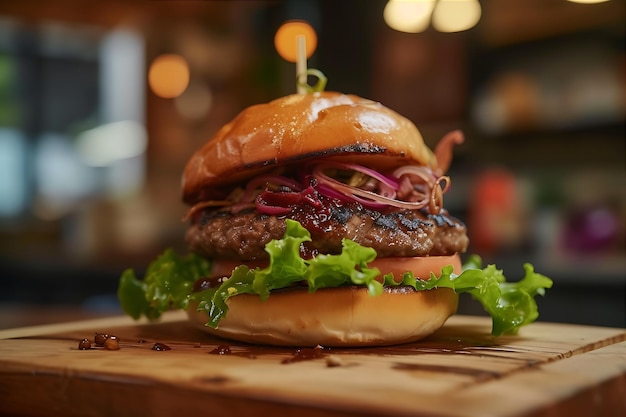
x: 61, y: 84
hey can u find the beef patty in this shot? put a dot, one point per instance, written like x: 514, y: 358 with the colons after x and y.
x: 243, y: 236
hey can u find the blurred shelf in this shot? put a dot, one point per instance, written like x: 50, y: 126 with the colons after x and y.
x: 512, y: 22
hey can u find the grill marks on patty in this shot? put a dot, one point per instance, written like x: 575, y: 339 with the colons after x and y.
x: 243, y: 236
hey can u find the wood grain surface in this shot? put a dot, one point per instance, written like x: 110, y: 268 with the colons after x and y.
x: 548, y: 369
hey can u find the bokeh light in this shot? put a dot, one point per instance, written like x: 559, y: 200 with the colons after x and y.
x: 456, y: 15
x: 168, y: 76
x: 286, y: 39
x: 410, y: 16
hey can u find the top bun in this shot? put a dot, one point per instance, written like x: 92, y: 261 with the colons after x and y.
x: 300, y: 127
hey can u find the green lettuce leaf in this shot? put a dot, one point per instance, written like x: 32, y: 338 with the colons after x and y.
x: 213, y: 301
x: 511, y: 305
x: 169, y: 281
x: 349, y: 267
x: 287, y: 267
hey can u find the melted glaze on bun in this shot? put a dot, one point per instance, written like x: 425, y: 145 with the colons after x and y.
x: 299, y: 127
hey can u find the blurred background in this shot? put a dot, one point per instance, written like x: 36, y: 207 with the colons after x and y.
x: 93, y: 140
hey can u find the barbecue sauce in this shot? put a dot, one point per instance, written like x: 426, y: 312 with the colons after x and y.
x: 160, y: 347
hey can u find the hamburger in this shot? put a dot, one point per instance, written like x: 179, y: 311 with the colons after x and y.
x: 318, y: 219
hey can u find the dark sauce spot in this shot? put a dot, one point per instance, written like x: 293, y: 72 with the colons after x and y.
x: 313, y: 216
x: 221, y: 350
x: 84, y: 344
x: 160, y: 347
x: 100, y: 338
x: 306, y: 252
x: 112, y: 343
x: 305, y: 354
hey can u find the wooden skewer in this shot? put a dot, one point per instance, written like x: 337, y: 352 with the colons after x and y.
x: 301, y: 65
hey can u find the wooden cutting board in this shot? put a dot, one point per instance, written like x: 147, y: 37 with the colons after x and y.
x: 547, y: 370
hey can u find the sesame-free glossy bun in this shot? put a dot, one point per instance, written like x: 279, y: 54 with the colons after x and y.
x: 299, y: 127
x: 333, y: 317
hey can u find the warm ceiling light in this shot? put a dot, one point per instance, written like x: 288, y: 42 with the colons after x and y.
x: 286, y: 39
x: 411, y: 16
x: 456, y: 15
x: 168, y: 76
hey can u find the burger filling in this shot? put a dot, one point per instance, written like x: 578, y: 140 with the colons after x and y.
x: 219, y: 234
x: 397, y: 214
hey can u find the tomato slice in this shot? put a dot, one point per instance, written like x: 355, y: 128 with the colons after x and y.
x: 421, y: 266
x: 225, y: 267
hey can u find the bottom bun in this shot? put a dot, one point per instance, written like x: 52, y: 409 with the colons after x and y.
x: 343, y: 316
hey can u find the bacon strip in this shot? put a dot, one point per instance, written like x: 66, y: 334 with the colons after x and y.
x: 443, y: 150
